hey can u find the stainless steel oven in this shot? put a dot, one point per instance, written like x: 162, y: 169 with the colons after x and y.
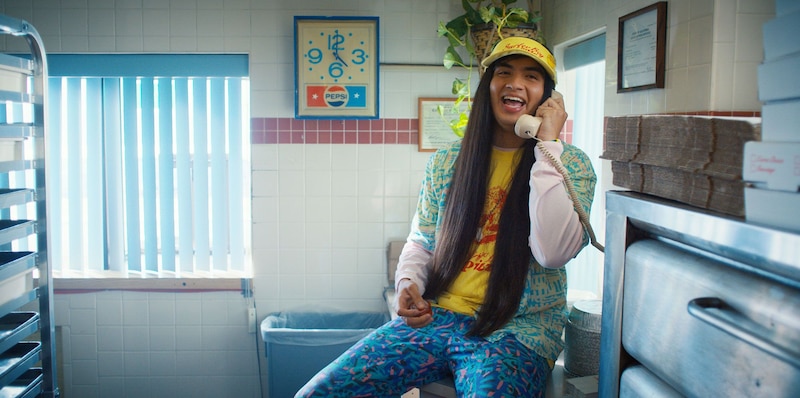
x: 697, y: 304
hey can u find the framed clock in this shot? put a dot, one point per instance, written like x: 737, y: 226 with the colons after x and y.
x: 336, y: 67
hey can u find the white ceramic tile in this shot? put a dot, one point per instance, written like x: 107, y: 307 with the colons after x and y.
x: 292, y: 261
x: 136, y: 364
x: 319, y: 287
x: 372, y: 261
x: 396, y: 183
x: 135, y: 338
x: 214, y: 312
x: 264, y: 157
x: 346, y: 287
x: 291, y: 183
x: 134, y: 312
x: 265, y: 209
x: 84, y: 371
x: 344, y: 183
x: 745, y: 95
x: 236, y: 22
x: 702, y: 8
x: 188, y: 339
x: 319, y: 261
x: 102, y: 43
x: 318, y: 183
x: 759, y: 6
x: 213, y: 338
x: 83, y: 321
x: 162, y: 363
x: 188, y: 313
x: 370, y: 183
x: 129, y: 43
x: 750, y: 37
x: 370, y: 209
x: 291, y: 157
x: 264, y: 183
x: 345, y: 233
x: 725, y: 21
x: 724, y: 81
x: 162, y: 338
x: 344, y: 208
x: 318, y: 157
x: 128, y: 22
x: 318, y: 235
x: 84, y: 346
x: 292, y: 287
x: 344, y: 157
x: 700, y: 82
x: 344, y: 260
x: 396, y: 210
x: 109, y: 338
x: 162, y: 312
x: 189, y: 44
x: 292, y: 235
x: 110, y: 364
x: 700, y: 42
x: 370, y: 235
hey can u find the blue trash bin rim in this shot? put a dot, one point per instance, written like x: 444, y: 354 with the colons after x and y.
x: 319, y: 329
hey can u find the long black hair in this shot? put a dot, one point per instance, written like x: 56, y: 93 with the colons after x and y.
x: 465, y: 202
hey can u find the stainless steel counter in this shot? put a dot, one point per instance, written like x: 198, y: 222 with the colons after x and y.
x: 696, y: 303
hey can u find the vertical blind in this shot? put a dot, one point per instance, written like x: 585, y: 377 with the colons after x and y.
x: 149, y: 175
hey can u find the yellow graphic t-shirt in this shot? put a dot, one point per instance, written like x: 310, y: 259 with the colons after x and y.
x: 467, y: 292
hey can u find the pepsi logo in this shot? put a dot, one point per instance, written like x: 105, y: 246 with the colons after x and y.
x: 336, y: 96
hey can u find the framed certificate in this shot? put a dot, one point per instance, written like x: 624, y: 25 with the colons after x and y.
x: 336, y: 67
x: 435, y: 115
x: 642, y: 48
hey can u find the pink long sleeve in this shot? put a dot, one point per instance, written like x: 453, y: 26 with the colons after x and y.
x: 556, y: 232
x: 413, y: 264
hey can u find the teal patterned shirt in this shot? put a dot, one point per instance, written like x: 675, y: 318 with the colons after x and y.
x: 541, y: 315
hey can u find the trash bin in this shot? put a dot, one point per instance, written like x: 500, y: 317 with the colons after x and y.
x: 300, y: 344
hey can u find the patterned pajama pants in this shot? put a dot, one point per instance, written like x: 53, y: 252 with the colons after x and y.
x: 395, y: 358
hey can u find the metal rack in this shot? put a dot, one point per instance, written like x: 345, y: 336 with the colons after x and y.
x: 27, y: 358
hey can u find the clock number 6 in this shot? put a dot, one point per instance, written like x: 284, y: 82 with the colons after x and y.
x: 335, y: 70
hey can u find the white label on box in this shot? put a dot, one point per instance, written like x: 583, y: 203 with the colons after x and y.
x: 775, y: 163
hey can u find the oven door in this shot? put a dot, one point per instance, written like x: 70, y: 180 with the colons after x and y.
x: 708, y: 326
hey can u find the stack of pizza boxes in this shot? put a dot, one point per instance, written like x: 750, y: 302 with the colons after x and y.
x: 771, y: 167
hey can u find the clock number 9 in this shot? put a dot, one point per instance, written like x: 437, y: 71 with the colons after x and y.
x: 314, y: 55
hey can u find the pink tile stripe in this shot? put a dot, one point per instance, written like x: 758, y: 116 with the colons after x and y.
x: 297, y: 131
x: 381, y: 131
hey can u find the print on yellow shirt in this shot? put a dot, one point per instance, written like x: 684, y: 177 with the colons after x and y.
x: 467, y: 292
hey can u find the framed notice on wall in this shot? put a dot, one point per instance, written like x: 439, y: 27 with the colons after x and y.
x: 434, y: 126
x: 642, y: 48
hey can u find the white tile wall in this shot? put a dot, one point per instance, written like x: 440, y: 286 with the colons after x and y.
x: 322, y: 214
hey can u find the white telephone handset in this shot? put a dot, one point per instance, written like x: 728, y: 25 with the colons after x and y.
x: 527, y: 126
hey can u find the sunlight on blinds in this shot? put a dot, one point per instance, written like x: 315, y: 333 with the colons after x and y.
x: 152, y: 176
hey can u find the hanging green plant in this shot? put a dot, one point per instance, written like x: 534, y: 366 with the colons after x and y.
x: 471, y: 37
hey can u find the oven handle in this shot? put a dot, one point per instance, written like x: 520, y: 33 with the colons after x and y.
x: 719, y: 314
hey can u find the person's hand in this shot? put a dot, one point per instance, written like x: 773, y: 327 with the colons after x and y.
x: 415, y: 311
x: 553, y: 117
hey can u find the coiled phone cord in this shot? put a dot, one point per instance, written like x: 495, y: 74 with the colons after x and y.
x: 582, y: 216
x: 526, y: 127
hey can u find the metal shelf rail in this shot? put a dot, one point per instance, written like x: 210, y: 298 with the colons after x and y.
x: 27, y: 365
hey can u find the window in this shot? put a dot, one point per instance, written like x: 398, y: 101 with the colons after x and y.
x: 148, y: 165
x: 582, y: 81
